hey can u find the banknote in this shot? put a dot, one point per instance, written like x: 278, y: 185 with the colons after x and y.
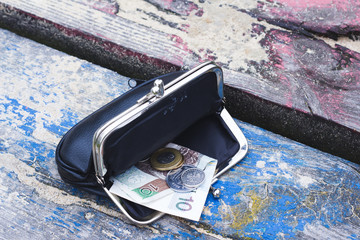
x: 148, y: 187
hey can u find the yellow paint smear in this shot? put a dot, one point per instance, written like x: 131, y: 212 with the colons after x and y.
x: 256, y: 205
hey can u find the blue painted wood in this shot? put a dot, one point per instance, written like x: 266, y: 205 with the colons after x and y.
x: 282, y: 189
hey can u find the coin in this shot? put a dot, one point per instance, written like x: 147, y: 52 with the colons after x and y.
x: 179, y: 164
x: 166, y: 159
x: 192, y: 177
x: 173, y: 179
x: 169, y: 168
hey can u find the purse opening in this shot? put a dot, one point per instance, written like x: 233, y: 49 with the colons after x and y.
x: 210, y: 136
x: 189, y: 117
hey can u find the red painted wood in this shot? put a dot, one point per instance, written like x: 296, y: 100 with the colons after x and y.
x: 320, y: 90
x: 328, y: 17
x: 328, y: 78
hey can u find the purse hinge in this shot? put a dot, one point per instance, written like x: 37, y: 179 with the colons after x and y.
x: 156, y: 91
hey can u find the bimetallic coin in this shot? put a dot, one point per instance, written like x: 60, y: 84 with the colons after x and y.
x: 173, y: 179
x: 166, y: 159
x: 167, y: 168
x: 192, y: 177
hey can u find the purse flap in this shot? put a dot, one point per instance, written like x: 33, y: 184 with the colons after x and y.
x: 187, y: 99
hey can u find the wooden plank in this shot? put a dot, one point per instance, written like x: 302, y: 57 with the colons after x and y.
x: 281, y: 189
x: 329, y: 18
x: 320, y: 82
x: 267, y: 83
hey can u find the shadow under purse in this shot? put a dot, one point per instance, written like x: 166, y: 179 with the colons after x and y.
x: 185, y: 108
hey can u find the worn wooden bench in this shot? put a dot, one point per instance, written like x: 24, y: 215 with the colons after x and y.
x: 284, y: 71
x: 282, y: 189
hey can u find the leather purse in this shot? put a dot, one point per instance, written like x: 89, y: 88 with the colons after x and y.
x: 186, y: 108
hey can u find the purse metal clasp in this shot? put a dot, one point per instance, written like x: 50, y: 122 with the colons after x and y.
x: 156, y: 91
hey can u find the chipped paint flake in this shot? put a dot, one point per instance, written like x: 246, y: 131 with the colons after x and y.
x: 260, y: 164
x: 305, y: 181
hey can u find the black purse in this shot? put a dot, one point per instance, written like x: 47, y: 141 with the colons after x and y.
x: 186, y: 108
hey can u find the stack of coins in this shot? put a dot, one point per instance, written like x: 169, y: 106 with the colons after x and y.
x: 166, y: 159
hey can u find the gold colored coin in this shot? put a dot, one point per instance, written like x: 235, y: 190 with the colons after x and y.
x: 166, y: 159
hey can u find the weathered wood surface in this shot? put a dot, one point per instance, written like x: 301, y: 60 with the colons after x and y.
x: 330, y: 18
x: 282, y: 189
x: 279, y: 75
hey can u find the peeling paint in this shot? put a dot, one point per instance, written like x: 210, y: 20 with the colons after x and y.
x: 256, y: 203
x: 221, y: 33
x: 250, y: 216
x: 25, y: 174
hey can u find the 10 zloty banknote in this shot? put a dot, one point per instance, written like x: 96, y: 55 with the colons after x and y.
x: 146, y: 186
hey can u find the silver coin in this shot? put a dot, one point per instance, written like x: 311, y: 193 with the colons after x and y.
x: 173, y: 179
x: 192, y: 177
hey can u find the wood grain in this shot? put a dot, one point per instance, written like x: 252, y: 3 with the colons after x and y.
x: 329, y: 18
x: 303, y: 87
x: 281, y: 189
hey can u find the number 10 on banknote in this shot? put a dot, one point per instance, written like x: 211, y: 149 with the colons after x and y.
x: 181, y: 192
